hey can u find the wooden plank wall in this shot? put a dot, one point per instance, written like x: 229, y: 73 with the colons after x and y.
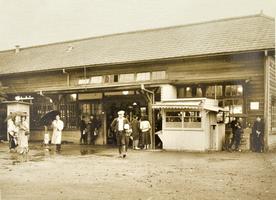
x: 226, y: 68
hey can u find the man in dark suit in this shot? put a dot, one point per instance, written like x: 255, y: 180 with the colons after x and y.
x: 120, y: 126
x: 258, y: 135
x: 83, y: 132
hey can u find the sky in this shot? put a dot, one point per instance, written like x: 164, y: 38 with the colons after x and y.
x: 35, y: 22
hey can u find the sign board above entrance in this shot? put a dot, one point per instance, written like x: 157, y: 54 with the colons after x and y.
x: 86, y: 96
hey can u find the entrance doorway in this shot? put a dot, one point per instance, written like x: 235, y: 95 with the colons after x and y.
x: 131, y: 104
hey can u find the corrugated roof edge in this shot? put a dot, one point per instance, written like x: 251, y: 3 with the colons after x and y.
x: 146, y: 30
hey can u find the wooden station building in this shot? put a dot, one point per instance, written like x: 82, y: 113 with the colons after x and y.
x: 230, y: 60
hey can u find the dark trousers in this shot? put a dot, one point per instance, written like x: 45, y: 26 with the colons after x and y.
x: 83, y: 138
x: 237, y: 140
x: 58, y: 147
x: 12, y: 142
x: 122, y: 142
x: 92, y: 137
x: 258, y: 143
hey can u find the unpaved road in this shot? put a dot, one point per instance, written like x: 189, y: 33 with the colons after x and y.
x: 82, y: 172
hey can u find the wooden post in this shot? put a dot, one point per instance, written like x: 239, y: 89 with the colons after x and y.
x: 266, y: 100
x: 150, y: 99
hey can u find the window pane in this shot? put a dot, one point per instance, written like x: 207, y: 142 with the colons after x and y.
x: 143, y: 76
x: 126, y: 77
x: 96, y: 79
x: 198, y: 92
x: 192, y: 119
x: 158, y: 75
x: 181, y: 92
x: 233, y: 90
x: 188, y: 92
x: 173, y: 120
x: 213, y: 91
x: 111, y: 78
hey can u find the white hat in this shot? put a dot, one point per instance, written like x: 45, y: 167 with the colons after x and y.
x: 121, y: 112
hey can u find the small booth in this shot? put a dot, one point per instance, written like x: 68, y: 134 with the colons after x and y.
x: 15, y: 106
x: 191, y: 124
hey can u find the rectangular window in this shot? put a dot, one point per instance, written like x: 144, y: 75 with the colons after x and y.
x: 181, y: 92
x: 234, y: 106
x: 145, y: 76
x: 214, y: 91
x: 174, y: 119
x: 183, y: 119
x: 111, y: 78
x: 96, y: 79
x: 233, y: 90
x: 158, y: 75
x: 126, y: 78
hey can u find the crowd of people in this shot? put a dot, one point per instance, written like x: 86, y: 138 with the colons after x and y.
x: 137, y: 130
x: 257, y: 135
x: 18, y: 131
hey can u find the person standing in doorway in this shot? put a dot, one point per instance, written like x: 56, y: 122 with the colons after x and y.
x: 145, y: 128
x: 233, y: 128
x: 58, y: 126
x: 92, y: 127
x: 83, y: 132
x: 120, y: 125
x: 135, y: 132
x: 258, y: 135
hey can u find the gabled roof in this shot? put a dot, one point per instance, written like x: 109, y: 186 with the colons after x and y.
x: 241, y: 34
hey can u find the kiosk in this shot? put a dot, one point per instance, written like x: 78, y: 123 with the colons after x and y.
x: 15, y: 106
x: 191, y: 124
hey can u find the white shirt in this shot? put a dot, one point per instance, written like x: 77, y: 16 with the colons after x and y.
x: 120, y: 124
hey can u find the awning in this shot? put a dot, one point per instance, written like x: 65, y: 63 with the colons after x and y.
x: 213, y: 108
x: 178, y: 105
x: 198, y: 105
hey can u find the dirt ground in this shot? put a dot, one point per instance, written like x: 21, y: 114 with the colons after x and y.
x: 85, y: 172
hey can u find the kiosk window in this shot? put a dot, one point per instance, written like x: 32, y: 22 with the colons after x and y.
x: 183, y: 119
x: 174, y: 119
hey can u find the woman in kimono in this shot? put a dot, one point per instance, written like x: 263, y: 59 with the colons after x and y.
x: 58, y: 126
x: 23, y: 133
x: 12, y: 131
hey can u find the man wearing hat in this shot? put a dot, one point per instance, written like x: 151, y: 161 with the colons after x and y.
x: 120, y: 126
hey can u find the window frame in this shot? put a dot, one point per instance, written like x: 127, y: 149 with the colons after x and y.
x: 182, y: 119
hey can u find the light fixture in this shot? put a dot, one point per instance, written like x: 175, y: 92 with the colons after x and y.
x: 134, y: 104
x: 125, y: 92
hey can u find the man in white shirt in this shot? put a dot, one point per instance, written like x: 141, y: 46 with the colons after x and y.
x: 120, y: 126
